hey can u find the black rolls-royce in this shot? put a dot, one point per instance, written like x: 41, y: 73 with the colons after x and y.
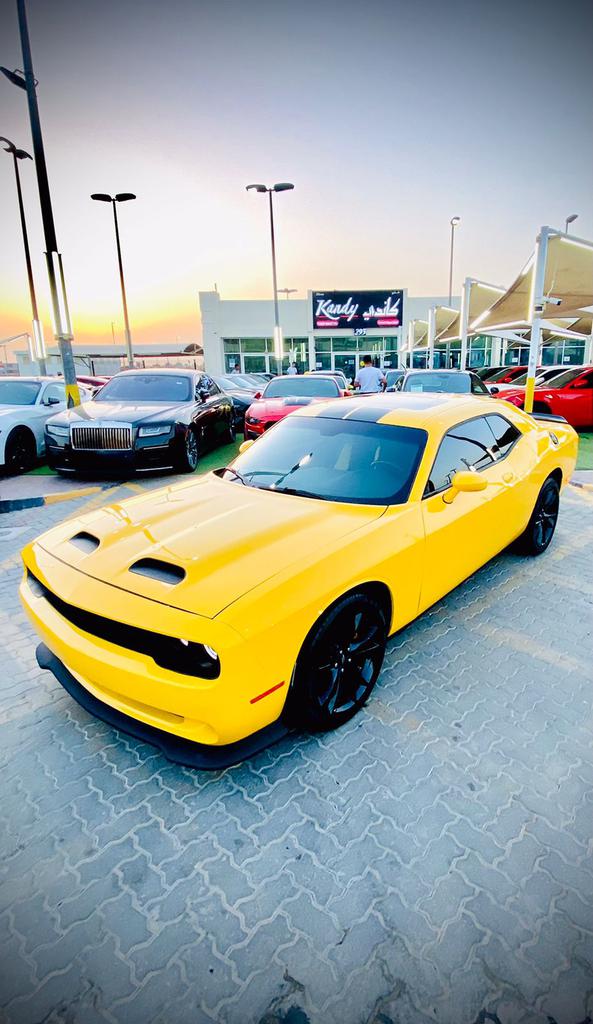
x: 140, y: 420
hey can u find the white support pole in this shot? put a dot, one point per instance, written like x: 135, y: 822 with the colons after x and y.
x: 536, y: 310
x: 464, y: 320
x: 588, y: 353
x: 411, y: 331
x: 432, y: 325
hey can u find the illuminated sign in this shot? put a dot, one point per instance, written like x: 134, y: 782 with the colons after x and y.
x: 357, y: 311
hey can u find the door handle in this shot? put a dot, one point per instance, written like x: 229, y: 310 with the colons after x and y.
x: 508, y: 477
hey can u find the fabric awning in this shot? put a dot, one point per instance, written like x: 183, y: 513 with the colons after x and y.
x: 420, y: 334
x: 568, y: 276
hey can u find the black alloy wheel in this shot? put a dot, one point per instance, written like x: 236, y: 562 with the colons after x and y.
x: 20, y: 452
x: 542, y: 524
x: 190, y: 452
x: 339, y: 663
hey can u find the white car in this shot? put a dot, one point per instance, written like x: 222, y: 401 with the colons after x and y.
x: 25, y: 405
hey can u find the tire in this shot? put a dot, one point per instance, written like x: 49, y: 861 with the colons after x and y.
x: 230, y: 434
x: 20, y: 453
x: 542, y: 524
x: 326, y: 692
x: 541, y: 407
x: 189, y: 455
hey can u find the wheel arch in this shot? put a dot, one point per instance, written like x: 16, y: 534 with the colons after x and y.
x: 556, y: 475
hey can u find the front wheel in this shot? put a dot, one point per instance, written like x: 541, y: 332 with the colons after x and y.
x: 187, y: 460
x: 542, y: 524
x: 20, y: 452
x: 230, y: 434
x: 339, y: 663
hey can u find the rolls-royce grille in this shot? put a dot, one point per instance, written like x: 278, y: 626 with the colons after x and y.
x: 102, y: 438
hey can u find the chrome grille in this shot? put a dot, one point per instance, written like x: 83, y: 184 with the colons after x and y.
x: 98, y: 438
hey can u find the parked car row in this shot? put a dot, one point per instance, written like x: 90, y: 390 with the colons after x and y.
x: 166, y: 418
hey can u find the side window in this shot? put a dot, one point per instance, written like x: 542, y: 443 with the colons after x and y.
x: 57, y: 391
x: 467, y: 446
x: 213, y: 388
x: 478, y: 386
x: 505, y: 434
x: 586, y: 381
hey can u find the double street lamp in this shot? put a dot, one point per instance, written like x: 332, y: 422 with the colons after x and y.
x: 454, y: 222
x: 38, y: 342
x: 282, y: 186
x: 121, y: 197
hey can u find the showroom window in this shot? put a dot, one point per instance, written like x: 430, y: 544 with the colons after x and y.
x: 256, y: 355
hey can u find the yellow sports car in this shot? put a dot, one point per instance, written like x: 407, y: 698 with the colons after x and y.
x: 210, y: 616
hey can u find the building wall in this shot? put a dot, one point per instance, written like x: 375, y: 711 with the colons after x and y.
x: 254, y: 318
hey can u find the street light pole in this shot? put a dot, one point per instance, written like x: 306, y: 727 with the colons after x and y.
x: 121, y: 197
x: 55, y: 270
x: 570, y: 220
x: 454, y: 222
x: 282, y: 186
x: 20, y: 154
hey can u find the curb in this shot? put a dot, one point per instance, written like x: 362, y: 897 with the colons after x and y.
x: 16, y: 504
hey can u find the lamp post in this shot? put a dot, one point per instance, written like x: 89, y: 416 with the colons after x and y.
x: 20, y: 154
x: 55, y: 271
x: 287, y: 292
x: 570, y: 220
x: 121, y: 197
x: 454, y: 222
x: 282, y: 186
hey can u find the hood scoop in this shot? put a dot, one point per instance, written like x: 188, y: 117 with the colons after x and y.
x: 85, y: 542
x: 155, y: 569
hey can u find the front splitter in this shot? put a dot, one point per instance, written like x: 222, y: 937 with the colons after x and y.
x: 175, y: 748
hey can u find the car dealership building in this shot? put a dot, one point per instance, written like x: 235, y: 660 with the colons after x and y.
x: 331, y: 330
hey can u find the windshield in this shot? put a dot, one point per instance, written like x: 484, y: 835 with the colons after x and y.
x: 565, y: 378
x: 337, y: 460
x: 235, y: 383
x: 146, y: 387
x: 18, y: 392
x: 507, y: 371
x: 540, y: 376
x: 311, y: 387
x: 448, y: 383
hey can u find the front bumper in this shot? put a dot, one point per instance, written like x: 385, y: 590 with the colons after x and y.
x: 247, y: 696
x: 143, y: 456
x: 175, y: 748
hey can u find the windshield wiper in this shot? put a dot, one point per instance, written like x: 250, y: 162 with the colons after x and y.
x: 295, y: 490
x: 235, y: 472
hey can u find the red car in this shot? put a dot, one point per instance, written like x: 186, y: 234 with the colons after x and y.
x: 506, y: 375
x: 285, y: 394
x: 569, y: 395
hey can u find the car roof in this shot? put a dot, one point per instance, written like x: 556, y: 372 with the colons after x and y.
x: 453, y: 369
x: 407, y: 410
x: 38, y: 380
x: 189, y: 370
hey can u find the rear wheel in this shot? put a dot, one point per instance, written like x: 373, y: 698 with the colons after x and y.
x: 542, y: 524
x: 230, y: 434
x: 339, y: 663
x: 20, y: 452
x: 189, y: 455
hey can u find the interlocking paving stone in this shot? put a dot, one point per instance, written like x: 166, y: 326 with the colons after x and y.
x: 431, y: 861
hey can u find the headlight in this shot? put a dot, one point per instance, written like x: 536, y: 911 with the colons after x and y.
x: 154, y: 430
x: 58, y: 429
x: 252, y: 419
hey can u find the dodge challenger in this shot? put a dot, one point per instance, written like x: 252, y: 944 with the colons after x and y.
x: 212, y: 615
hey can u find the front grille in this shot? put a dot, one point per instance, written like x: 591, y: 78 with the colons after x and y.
x: 187, y: 657
x: 114, y: 439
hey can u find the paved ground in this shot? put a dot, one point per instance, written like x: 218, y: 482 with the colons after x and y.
x: 432, y: 861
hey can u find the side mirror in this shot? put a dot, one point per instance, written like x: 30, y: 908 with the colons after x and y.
x: 464, y: 482
x: 494, y: 390
x: 256, y: 396
x: 52, y: 400
x: 245, y: 445
x: 202, y: 394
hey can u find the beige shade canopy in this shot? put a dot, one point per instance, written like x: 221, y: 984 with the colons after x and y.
x: 420, y: 337
x: 568, y: 276
x: 481, y: 297
x: 445, y: 320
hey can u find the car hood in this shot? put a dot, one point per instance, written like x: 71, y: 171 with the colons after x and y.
x: 227, y: 539
x: 115, y: 412
x: 281, y: 406
x: 10, y: 410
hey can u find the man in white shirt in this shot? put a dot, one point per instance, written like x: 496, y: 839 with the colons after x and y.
x: 292, y: 370
x: 369, y: 379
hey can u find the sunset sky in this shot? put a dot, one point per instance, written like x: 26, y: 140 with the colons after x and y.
x: 389, y: 118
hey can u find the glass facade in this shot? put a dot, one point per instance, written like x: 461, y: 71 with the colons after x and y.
x: 562, y: 352
x: 256, y: 355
